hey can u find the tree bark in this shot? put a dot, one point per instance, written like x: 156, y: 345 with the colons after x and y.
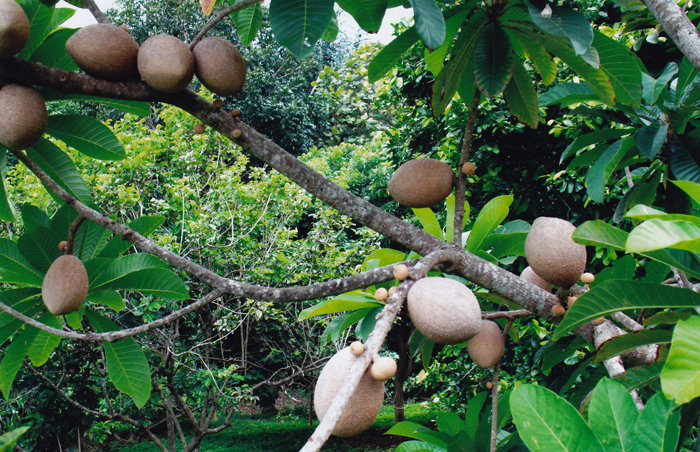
x: 678, y: 27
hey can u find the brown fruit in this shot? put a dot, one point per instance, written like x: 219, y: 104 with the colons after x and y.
x: 570, y: 301
x: 392, y: 290
x: 401, y: 272
x: 558, y: 309
x: 166, y: 63
x: 443, y: 310
x: 218, y: 103
x: 469, y: 168
x: 489, y: 385
x: 551, y: 252
x: 530, y: 276
x: 364, y: 404
x: 236, y: 133
x: 381, y: 294
x: 383, y: 369
x: 220, y: 66
x: 62, y: 245
x: 587, y: 278
x: 356, y: 348
x: 235, y: 112
x: 105, y: 51
x: 65, y: 285
x: 24, y: 117
x: 486, y: 348
x: 599, y: 321
x: 421, y: 183
x: 199, y: 129
x: 14, y: 28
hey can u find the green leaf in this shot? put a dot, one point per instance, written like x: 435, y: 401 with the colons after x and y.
x: 45, y: 343
x: 109, y: 298
x: 387, y: 58
x: 652, y: 88
x: 128, y: 106
x: 686, y: 74
x: 692, y: 189
x: 60, y: 15
x: 622, y: 68
x: 367, y: 13
x: 567, y: 94
x: 248, y: 22
x: 435, y: 60
x: 40, y: 248
x: 430, y: 223
x: 123, y: 266
x: 495, y: 60
x: 599, y: 136
x: 14, y: 356
x: 543, y: 62
x: 650, y: 139
x: 12, y: 260
x: 603, y: 169
x: 564, y: 22
x: 417, y: 431
x: 471, y: 416
x: 331, y: 32
x: 685, y: 157
x: 667, y: 318
x: 33, y: 216
x: 160, y: 282
x: 626, y: 342
x: 61, y: 168
x: 491, y: 215
x: 521, y: 97
x: 9, y: 439
x: 642, y: 193
x: 53, y: 52
x: 430, y: 24
x: 548, y: 423
x: 657, y: 234
x: 680, y: 377
x: 87, y: 135
x: 91, y: 238
x: 27, y: 301
x: 612, y: 296
x: 336, y: 305
x: 366, y: 325
x: 127, y: 365
x: 40, y: 18
x: 418, y: 446
x: 144, y: 225
x: 6, y: 212
x: 299, y: 24
x: 657, y: 429
x: 612, y: 415
x: 640, y: 376
x: 341, y: 323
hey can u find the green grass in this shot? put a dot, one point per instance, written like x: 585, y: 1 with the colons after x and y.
x: 287, y: 433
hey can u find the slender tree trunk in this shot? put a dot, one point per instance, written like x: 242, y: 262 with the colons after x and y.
x: 170, y: 423
x: 404, y: 367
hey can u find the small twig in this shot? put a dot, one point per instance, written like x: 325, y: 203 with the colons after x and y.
x: 628, y: 175
x: 506, y: 314
x: 72, y: 231
x: 627, y: 321
x: 219, y: 17
x: 96, y: 12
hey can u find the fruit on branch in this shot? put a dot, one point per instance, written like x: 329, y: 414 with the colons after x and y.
x: 571, y: 300
x: 392, y: 289
x: 24, y: 116
x: 199, y: 129
x: 530, y: 276
x: 105, y: 51
x: 235, y: 112
x: 365, y: 403
x: 356, y: 348
x: 401, y: 272
x: 166, y: 63
x: 558, y: 310
x: 486, y: 348
x: 220, y: 66
x: 381, y: 294
x: 444, y: 310
x: 421, y: 183
x: 551, y: 252
x: 599, y: 321
x: 62, y: 245
x: 469, y: 168
x: 65, y: 285
x: 218, y: 103
x: 14, y: 28
x: 587, y: 278
x: 383, y: 369
x: 489, y: 385
x: 236, y: 133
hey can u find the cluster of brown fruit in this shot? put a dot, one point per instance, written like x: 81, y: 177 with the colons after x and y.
x: 65, y: 285
x: 24, y: 118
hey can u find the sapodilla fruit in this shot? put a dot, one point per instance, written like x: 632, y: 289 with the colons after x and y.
x: 486, y: 348
x: 24, y: 116
x: 551, y: 252
x: 421, y: 183
x: 104, y: 51
x: 220, y: 66
x: 14, y: 28
x: 166, y: 63
x: 364, y: 404
x: 530, y: 276
x: 444, y: 310
x: 65, y: 285
x: 383, y: 369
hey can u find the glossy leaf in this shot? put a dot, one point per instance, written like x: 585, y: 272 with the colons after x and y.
x: 686, y: 74
x: 643, y: 192
x: 429, y: 221
x: 125, y: 265
x: 495, y: 60
x: 14, y: 356
x: 109, y: 298
x: 331, y: 32
x: 336, y: 305
x: 430, y: 24
x: 6, y: 212
x: 248, y: 21
x: 45, y: 343
x: 299, y: 24
x: 657, y: 429
x: 341, y: 323
x: 26, y: 300
x: 650, y: 139
x: 567, y: 94
x: 621, y: 66
x: 640, y: 376
x: 40, y: 18
x: 52, y: 52
x: 435, y: 60
x: 680, y: 377
x: 87, y: 135
x: 491, y: 215
x: 366, y: 325
x: 599, y: 175
x: 418, y: 446
x: 144, y: 225
x: 564, y: 22
x: 32, y: 217
x: 387, y: 58
x: 685, y: 157
x: 692, y: 189
x: 61, y: 168
x: 543, y: 61
x: 521, y: 97
x: 127, y: 106
x: 367, y: 13
x: 612, y: 296
x: 40, y: 248
x: 91, y: 238
x: 652, y: 87
x: 9, y: 439
x: 631, y: 341
x: 417, y: 431
x: 160, y: 282
x: 599, y: 136
x: 658, y: 234
x: 612, y: 415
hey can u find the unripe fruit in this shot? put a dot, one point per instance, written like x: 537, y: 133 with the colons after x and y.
x: 105, y: 51
x: 218, y: 103
x: 401, y: 272
x: 587, y: 278
x: 392, y: 290
x: 199, y: 129
x: 235, y: 112
x: 489, y: 385
x: 236, y: 133
x: 599, y: 321
x: 468, y: 168
x: 166, y: 63
x: 486, y: 348
x: 65, y: 285
x: 381, y: 294
x: 62, y: 245
x: 444, y: 310
x: 421, y: 183
x: 383, y: 369
x: 220, y: 66
x: 356, y: 348
x: 558, y: 309
x: 365, y: 403
x: 551, y: 252
x: 24, y: 117
x: 530, y: 276
x: 14, y: 28
x: 570, y: 301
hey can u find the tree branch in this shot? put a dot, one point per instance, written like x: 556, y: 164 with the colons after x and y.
x: 679, y: 28
x: 221, y: 15
x: 461, y: 179
x: 97, y: 12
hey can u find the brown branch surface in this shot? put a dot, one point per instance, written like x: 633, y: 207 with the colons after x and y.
x: 679, y: 28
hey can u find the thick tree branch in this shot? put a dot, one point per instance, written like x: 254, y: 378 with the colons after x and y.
x: 221, y: 15
x: 679, y: 28
x: 97, y: 12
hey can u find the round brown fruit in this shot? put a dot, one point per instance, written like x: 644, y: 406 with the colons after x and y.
x: 444, y: 310
x: 14, y: 28
x: 530, y: 276
x: 551, y: 252
x: 486, y: 348
x: 392, y: 290
x: 62, y: 245
x: 218, y: 103
x: 489, y: 385
x: 105, y: 51
x: 587, y: 278
x: 199, y: 129
x: 220, y: 66
x: 383, y: 369
x: 356, y: 348
x: 364, y: 404
x: 166, y: 63
x: 235, y: 112
x: 558, y: 309
x: 24, y: 117
x: 65, y: 285
x: 401, y: 272
x: 421, y: 183
x: 469, y: 168
x: 599, y: 321
x: 571, y: 300
x: 236, y: 133
x: 381, y: 294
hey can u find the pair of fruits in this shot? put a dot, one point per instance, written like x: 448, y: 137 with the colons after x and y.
x: 164, y: 62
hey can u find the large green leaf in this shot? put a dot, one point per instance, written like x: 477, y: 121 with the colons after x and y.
x: 435, y: 60
x: 108, y: 298
x: 543, y: 61
x: 337, y: 305
x: 521, y: 97
x: 160, y: 282
x: 387, y: 58
x: 127, y: 365
x: 417, y: 431
x: 128, y: 106
x: 61, y: 169
x: 450, y: 217
x: 341, y: 323
x: 612, y: 415
x: 613, y: 295
x: 87, y: 135
x: 548, y: 423
x: 567, y: 94
x: 14, y: 356
x: 650, y: 139
x: 495, y: 60
x: 627, y: 342
x: 12, y: 260
x: 40, y: 20
x: 491, y: 215
x: 564, y: 22
x: 640, y: 376
x: 685, y: 157
x: 430, y: 24
x: 658, y: 234
x: 248, y: 22
x: 367, y: 13
x: 652, y: 87
x: 125, y: 265
x: 53, y: 52
x: 429, y: 221
x: 27, y: 301
x: 6, y: 212
x: 657, y: 428
x: 599, y: 136
x: 604, y: 168
x: 144, y: 225
x: 686, y: 74
x: 45, y: 343
x: 33, y: 216
x: 690, y: 188
x: 40, y: 248
x: 680, y: 377
x: 9, y: 439
x: 91, y: 238
x: 418, y: 446
x: 622, y: 68
x: 299, y: 24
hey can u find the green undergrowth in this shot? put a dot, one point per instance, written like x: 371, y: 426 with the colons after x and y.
x: 288, y: 433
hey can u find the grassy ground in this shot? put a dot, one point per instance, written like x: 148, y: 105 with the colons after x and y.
x: 285, y: 434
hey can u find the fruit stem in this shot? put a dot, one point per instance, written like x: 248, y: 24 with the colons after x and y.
x: 72, y: 230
